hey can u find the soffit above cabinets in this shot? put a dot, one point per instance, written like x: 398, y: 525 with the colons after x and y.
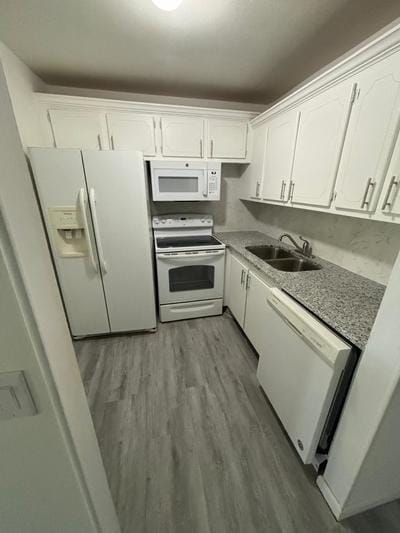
x: 251, y: 51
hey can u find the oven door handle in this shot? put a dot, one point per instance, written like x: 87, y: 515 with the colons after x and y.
x: 189, y: 256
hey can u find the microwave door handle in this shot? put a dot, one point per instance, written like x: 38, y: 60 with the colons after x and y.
x: 205, y: 191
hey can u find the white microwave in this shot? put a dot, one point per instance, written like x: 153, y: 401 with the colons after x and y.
x: 174, y: 181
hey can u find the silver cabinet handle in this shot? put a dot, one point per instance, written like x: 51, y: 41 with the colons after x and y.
x: 248, y: 282
x: 212, y: 148
x: 161, y: 138
x: 258, y: 189
x: 201, y: 147
x: 92, y: 201
x: 393, y: 183
x: 283, y: 187
x: 155, y: 134
x: 99, y: 141
x: 370, y: 185
x: 242, y: 277
x: 86, y: 228
x: 112, y: 142
x: 291, y: 190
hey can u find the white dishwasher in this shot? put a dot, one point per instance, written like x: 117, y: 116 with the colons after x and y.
x: 300, y: 368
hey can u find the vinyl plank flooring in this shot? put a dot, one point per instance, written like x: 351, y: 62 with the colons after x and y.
x: 191, y: 444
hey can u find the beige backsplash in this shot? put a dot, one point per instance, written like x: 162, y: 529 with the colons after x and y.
x: 366, y: 247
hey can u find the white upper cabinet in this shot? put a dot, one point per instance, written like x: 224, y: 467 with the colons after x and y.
x: 389, y: 201
x: 132, y: 131
x: 323, y: 121
x: 253, y: 174
x: 182, y: 136
x: 73, y: 128
x: 370, y: 136
x: 279, y: 152
x: 227, y: 139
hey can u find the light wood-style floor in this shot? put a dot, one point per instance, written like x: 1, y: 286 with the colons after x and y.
x: 189, y: 442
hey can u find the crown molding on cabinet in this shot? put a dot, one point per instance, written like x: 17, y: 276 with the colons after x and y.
x: 59, y: 101
x: 361, y: 57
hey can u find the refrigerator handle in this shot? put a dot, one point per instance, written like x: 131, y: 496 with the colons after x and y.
x: 92, y: 201
x: 86, y: 228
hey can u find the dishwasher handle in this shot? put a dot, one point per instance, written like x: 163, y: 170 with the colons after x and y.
x: 325, y: 343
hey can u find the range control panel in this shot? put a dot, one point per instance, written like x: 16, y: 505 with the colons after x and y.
x: 183, y: 221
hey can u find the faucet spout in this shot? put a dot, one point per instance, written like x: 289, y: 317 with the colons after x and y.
x: 305, y: 249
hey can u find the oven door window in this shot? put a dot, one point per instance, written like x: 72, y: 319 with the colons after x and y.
x: 191, y: 278
x: 178, y: 184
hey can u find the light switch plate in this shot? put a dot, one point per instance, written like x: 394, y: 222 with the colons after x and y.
x: 15, y: 396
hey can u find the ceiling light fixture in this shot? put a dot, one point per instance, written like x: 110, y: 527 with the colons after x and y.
x: 167, y: 5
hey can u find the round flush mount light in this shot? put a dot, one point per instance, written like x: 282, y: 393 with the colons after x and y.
x: 167, y: 5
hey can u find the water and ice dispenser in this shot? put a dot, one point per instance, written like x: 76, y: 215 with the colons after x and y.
x: 69, y: 231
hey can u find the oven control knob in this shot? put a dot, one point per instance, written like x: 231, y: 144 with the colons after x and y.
x: 162, y: 221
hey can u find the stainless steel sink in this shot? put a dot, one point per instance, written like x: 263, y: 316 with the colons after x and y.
x: 293, y: 264
x: 268, y: 252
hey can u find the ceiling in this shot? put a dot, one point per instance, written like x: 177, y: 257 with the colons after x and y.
x: 243, y: 50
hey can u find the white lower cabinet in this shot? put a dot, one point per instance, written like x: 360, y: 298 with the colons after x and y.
x: 237, y: 288
x: 256, y: 312
x: 246, y: 296
x: 132, y: 131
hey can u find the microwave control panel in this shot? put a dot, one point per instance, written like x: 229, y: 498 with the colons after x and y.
x: 214, y: 183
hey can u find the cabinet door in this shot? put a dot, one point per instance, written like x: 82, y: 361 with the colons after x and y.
x: 228, y: 139
x: 323, y: 122
x: 237, y: 289
x: 78, y: 129
x: 182, y: 136
x: 389, y: 201
x: 118, y: 204
x: 279, y: 152
x: 370, y: 136
x: 253, y: 173
x: 256, y: 312
x: 132, y: 131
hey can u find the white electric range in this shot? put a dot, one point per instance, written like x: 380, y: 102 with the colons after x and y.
x: 190, y: 267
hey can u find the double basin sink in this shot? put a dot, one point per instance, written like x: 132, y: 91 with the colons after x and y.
x: 282, y: 259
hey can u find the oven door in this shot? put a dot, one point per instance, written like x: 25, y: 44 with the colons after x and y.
x: 175, y: 184
x: 190, y: 276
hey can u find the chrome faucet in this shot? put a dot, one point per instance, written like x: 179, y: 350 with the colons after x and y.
x: 305, y: 249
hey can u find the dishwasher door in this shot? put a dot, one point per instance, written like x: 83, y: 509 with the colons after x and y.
x: 299, y: 369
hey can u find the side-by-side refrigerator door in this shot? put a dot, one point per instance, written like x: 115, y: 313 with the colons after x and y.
x: 60, y: 182
x: 118, y: 201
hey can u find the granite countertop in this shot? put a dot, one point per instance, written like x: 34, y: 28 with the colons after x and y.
x: 345, y: 301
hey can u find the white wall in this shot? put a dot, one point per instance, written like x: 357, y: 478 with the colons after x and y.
x: 363, y: 469
x: 22, y: 82
x: 368, y: 248
x: 63, y: 397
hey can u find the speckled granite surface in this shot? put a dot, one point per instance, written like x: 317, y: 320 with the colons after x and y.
x: 345, y: 301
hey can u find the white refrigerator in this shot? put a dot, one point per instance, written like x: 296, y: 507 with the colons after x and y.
x: 95, y: 208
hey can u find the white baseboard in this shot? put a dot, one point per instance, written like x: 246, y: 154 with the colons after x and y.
x: 329, y: 497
